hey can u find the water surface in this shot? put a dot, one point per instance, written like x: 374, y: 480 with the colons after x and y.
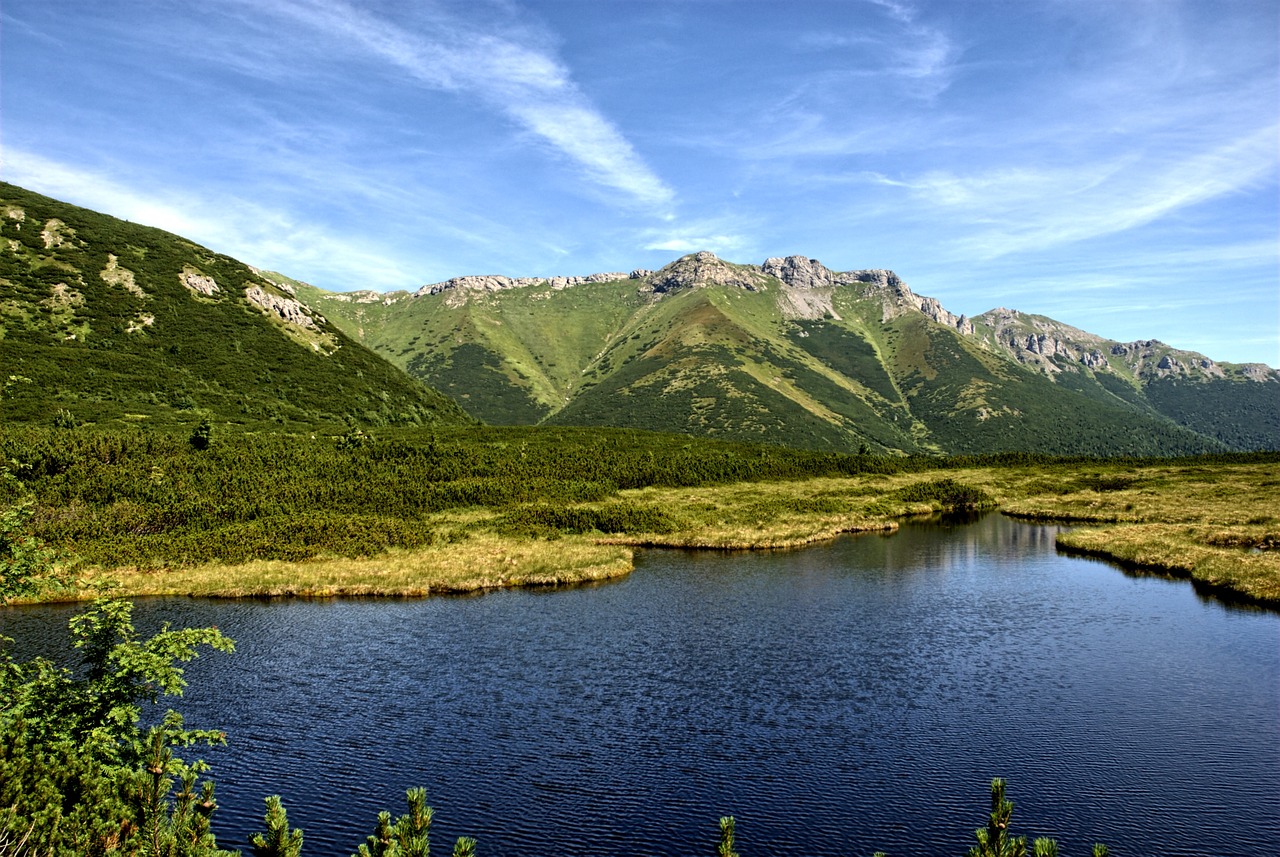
x: 844, y: 698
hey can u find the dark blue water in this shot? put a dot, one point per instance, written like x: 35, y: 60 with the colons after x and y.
x: 840, y: 699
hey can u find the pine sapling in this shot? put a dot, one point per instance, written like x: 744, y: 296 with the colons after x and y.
x: 279, y: 840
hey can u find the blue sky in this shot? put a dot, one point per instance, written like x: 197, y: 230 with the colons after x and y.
x: 1111, y: 164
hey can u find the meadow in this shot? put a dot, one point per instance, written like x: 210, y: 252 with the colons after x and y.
x: 411, y: 512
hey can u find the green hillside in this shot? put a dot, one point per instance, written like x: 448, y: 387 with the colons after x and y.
x: 705, y: 347
x: 105, y: 321
x: 1235, y: 404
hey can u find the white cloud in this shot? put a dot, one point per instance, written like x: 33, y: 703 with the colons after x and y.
x: 692, y: 242
x: 921, y: 53
x: 524, y: 82
x: 1020, y: 209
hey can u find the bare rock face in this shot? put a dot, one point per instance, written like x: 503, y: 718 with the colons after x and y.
x: 704, y: 269
x: 497, y: 283
x: 896, y: 298
x: 199, y: 283
x: 1044, y: 343
x: 1259, y: 372
x: 1151, y: 358
x: 115, y: 275
x: 288, y: 309
x: 799, y: 272
x: 56, y: 233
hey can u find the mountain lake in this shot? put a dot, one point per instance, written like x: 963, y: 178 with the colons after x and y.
x: 853, y: 696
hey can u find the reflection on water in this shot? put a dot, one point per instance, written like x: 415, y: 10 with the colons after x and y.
x: 848, y: 697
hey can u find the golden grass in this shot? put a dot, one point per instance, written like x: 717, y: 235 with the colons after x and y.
x: 760, y: 516
x: 1214, y: 523
x: 1236, y: 573
x: 476, y: 564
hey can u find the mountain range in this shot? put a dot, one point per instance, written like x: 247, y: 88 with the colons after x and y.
x: 111, y: 322
x: 791, y: 352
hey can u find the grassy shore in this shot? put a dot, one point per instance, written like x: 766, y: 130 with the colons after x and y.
x: 474, y: 565
x: 1217, y: 525
x: 1214, y: 523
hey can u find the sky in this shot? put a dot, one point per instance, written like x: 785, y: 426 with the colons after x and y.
x: 1113, y: 164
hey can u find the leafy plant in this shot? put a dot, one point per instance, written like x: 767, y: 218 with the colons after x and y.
x: 410, y: 834
x: 725, y: 849
x: 994, y: 840
x: 79, y: 772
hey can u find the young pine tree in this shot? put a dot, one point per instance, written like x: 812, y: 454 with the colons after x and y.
x: 279, y: 840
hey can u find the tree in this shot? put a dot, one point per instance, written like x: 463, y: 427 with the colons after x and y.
x: 279, y: 840
x: 78, y: 772
x: 410, y: 834
x: 26, y: 563
x: 995, y: 841
x: 727, y: 824
x: 202, y: 435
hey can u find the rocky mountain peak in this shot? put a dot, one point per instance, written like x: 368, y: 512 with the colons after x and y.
x: 799, y: 272
x: 897, y: 298
x: 704, y: 269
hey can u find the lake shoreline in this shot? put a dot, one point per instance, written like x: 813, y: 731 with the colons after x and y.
x: 1215, y: 525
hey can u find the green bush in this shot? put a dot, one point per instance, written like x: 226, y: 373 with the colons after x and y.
x: 543, y: 519
x: 947, y: 493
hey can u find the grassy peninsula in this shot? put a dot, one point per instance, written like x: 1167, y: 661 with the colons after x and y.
x: 405, y: 512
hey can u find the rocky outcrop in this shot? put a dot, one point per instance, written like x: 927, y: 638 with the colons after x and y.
x: 115, y: 275
x: 288, y: 309
x: 1151, y: 359
x: 799, y: 272
x: 287, y: 288
x: 704, y: 269
x: 199, y: 283
x: 366, y: 296
x: 56, y: 233
x: 1259, y: 372
x: 896, y: 298
x: 808, y: 279
x: 497, y: 283
x: 1043, y: 342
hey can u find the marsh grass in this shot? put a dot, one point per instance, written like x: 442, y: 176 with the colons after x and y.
x: 1213, y: 564
x: 477, y: 564
x: 1218, y: 525
x: 789, y: 514
x: 556, y: 515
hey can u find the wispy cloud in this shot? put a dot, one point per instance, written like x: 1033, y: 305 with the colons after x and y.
x: 692, y: 241
x: 508, y: 71
x: 920, y: 52
x: 1026, y: 208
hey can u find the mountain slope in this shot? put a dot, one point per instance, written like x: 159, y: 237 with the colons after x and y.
x: 791, y: 352
x: 103, y: 320
x: 1237, y: 404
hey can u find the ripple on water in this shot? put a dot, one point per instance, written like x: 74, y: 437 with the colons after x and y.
x: 849, y: 697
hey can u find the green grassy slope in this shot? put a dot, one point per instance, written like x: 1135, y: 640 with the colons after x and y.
x: 726, y: 361
x: 507, y: 358
x: 1235, y: 404
x: 109, y: 322
x: 106, y: 321
x: 972, y: 401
